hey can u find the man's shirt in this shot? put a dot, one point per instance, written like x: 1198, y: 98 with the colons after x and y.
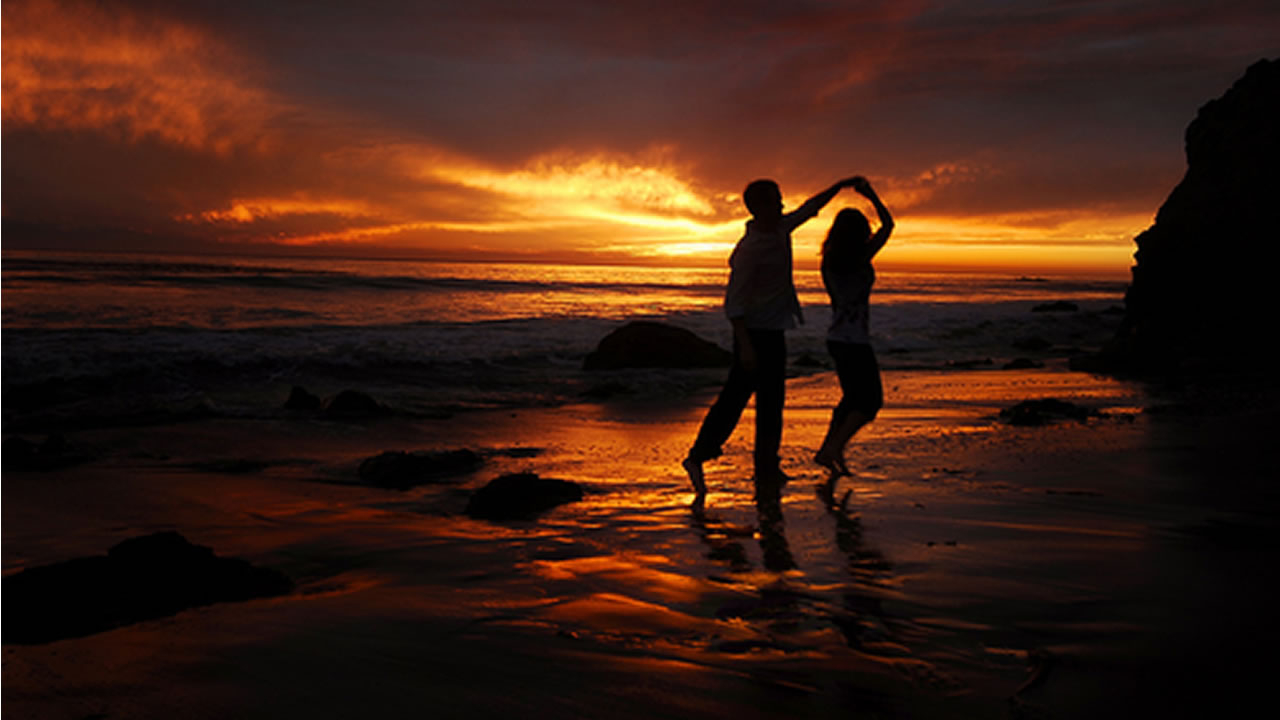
x: 761, y: 290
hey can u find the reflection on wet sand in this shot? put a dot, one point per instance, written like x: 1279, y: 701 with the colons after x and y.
x: 785, y: 597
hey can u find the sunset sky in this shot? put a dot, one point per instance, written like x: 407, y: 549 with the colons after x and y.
x: 1032, y: 134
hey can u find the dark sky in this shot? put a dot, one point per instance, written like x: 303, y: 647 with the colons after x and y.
x: 1003, y: 131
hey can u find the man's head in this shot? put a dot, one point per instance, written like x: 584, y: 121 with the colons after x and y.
x: 763, y: 200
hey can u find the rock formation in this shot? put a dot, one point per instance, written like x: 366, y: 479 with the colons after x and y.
x: 303, y: 401
x: 354, y: 405
x: 142, y: 578
x: 1045, y: 411
x: 643, y: 344
x: 521, y: 496
x: 1204, y: 286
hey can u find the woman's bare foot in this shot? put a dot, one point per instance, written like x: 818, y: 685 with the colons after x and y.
x: 696, y: 478
x: 827, y: 490
x: 833, y: 463
x: 844, y: 467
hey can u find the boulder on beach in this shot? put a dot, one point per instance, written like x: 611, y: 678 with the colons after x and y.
x: 353, y: 405
x: 644, y: 344
x: 1045, y: 411
x: 302, y: 401
x: 142, y: 578
x: 1202, y: 282
x: 399, y: 470
x: 521, y: 496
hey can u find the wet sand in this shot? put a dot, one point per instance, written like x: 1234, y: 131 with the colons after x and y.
x: 1111, y: 568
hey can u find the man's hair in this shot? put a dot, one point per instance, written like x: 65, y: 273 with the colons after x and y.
x: 758, y: 193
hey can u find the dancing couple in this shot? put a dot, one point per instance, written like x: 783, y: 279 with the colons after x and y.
x: 762, y: 304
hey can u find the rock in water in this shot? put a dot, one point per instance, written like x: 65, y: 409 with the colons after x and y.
x: 142, y: 578
x: 1203, y: 289
x: 644, y: 344
x: 521, y: 496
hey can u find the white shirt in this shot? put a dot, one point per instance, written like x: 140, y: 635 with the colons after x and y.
x: 761, y: 290
x: 850, y: 292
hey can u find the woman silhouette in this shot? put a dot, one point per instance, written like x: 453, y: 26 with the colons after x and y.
x: 848, y: 277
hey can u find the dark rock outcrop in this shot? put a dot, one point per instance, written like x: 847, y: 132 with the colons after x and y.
x: 1044, y: 412
x: 1203, y: 283
x: 521, y: 496
x: 644, y: 344
x: 354, y: 405
x: 139, y: 579
x: 400, y: 470
x: 302, y: 401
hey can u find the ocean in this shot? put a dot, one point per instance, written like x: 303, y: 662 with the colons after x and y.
x: 107, y: 338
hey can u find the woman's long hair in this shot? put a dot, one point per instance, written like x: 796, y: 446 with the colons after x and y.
x: 847, y: 239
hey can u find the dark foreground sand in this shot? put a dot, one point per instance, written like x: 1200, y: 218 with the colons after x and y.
x: 1114, y: 568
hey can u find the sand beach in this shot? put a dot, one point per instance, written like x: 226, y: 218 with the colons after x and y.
x: 1111, y: 567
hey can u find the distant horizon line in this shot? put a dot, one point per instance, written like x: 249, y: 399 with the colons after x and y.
x: 650, y: 262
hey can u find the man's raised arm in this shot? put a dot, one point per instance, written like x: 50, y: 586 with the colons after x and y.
x: 813, y: 205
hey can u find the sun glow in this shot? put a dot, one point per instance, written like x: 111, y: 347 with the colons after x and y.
x: 646, y: 208
x: 1095, y: 242
x: 688, y: 249
x: 569, y: 184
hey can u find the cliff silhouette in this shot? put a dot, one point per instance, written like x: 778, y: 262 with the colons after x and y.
x: 1204, y: 289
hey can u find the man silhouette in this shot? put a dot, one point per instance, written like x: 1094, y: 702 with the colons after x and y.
x: 761, y: 303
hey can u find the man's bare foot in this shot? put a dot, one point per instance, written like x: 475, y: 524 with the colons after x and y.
x: 694, y: 468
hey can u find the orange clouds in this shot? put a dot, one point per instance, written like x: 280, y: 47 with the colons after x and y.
x: 255, y: 209
x: 905, y: 193
x: 589, y: 181
x: 635, y: 199
x: 639, y: 206
x: 507, y: 130
x: 79, y: 66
